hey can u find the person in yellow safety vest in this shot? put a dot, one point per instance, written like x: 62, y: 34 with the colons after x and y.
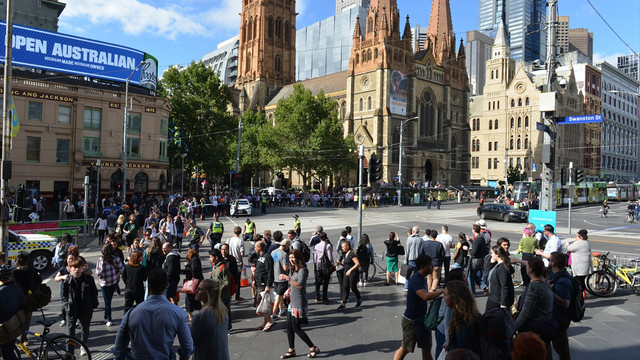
x: 264, y: 204
x: 355, y: 202
x: 214, y: 234
x: 203, y: 208
x: 439, y: 199
x: 296, y: 225
x: 249, y: 230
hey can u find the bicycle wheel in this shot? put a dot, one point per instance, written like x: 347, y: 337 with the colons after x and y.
x: 64, y: 347
x: 601, y: 283
x: 372, y: 269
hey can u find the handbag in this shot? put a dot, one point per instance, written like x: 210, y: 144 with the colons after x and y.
x: 477, y: 264
x: 39, y: 295
x: 432, y: 318
x: 190, y: 286
x: 404, y: 270
x: 265, y: 306
x: 14, y: 327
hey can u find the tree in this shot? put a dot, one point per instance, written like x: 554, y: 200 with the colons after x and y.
x: 514, y: 174
x: 252, y: 159
x: 307, y: 137
x: 199, y: 103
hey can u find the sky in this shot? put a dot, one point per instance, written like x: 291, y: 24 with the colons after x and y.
x: 177, y: 32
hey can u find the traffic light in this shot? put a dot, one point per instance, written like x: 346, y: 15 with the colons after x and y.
x: 579, y: 176
x: 375, y: 170
x: 238, y: 180
x: 563, y: 176
x: 548, y: 155
x: 316, y: 185
x: 363, y: 177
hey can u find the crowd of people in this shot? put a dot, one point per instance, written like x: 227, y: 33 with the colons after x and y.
x: 143, y: 249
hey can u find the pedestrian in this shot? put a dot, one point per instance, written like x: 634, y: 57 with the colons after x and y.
x: 446, y: 314
x: 460, y: 256
x: 108, y: 270
x: 215, y: 232
x: 171, y: 267
x: 263, y: 280
x: 296, y: 225
x: 323, y: 275
x: 209, y: 326
x: 152, y: 326
x: 553, y: 244
x: 119, y: 229
x: 418, y: 296
x: 476, y: 265
x: 101, y: 227
x: 221, y: 272
x: 447, y: 243
x: 562, y: 286
x: 80, y: 298
x: 414, y: 241
x: 28, y: 278
x: 340, y: 263
x: 365, y: 256
x: 459, y: 298
x: 195, y: 236
x: 298, y: 309
x: 249, y: 230
x: 581, y: 265
x: 535, y: 306
x: 62, y: 249
x: 236, y: 248
x: 134, y: 277
x: 501, y: 291
x: 13, y: 300
x: 393, y: 244
x: 112, y: 221
x: 350, y: 281
x: 436, y: 252
x: 131, y: 230
x: 193, y: 270
x: 526, y: 249
x: 178, y: 222
x: 280, y: 266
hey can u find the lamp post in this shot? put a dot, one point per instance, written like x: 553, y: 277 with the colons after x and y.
x: 400, y: 159
x: 124, y: 134
x: 183, y: 155
x: 506, y: 170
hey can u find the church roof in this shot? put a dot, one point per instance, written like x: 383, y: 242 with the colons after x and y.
x: 329, y: 84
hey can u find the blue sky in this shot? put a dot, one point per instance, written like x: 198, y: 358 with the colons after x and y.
x: 179, y: 31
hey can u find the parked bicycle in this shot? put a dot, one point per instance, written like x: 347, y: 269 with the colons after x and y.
x: 375, y: 268
x: 62, y: 347
x: 605, y: 281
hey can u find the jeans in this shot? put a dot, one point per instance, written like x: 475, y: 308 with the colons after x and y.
x: 411, y: 266
x: 446, y: 263
x: 440, y: 339
x: 227, y: 303
x: 340, y: 278
x: 107, y: 295
x: 85, y: 321
x: 473, y: 278
x: 560, y: 343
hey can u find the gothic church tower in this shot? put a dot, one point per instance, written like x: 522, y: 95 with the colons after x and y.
x: 267, y: 51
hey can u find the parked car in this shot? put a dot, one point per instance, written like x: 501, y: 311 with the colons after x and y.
x: 243, y: 205
x: 40, y: 248
x: 502, y: 212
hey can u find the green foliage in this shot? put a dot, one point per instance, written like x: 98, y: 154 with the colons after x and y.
x: 251, y: 156
x: 513, y: 175
x: 307, y: 137
x: 199, y: 103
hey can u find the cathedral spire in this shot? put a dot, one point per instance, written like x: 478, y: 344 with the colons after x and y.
x: 357, y: 33
x: 500, y: 47
x: 440, y: 29
x: 385, y: 23
x: 407, y: 30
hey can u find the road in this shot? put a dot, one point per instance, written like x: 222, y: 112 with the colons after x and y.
x: 610, y: 330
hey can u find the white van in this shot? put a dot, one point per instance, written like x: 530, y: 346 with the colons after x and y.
x: 40, y: 248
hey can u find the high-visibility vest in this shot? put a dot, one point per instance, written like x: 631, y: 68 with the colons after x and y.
x: 217, y: 227
x: 250, y: 227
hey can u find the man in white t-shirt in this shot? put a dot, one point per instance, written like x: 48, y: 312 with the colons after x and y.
x: 447, y: 242
x: 554, y: 244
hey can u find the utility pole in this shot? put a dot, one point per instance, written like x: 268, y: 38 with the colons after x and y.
x: 124, y: 134
x: 360, y: 180
x: 5, y: 169
x: 506, y: 169
x: 571, y: 188
x: 97, y: 215
x: 400, y: 160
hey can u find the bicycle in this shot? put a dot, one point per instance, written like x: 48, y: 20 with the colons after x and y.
x: 605, y: 282
x: 61, y: 347
x: 631, y: 218
x: 374, y: 268
x: 604, y: 212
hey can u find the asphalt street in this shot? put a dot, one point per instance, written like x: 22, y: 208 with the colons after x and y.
x: 610, y: 329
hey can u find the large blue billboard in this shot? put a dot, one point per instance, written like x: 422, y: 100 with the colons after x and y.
x: 57, y: 52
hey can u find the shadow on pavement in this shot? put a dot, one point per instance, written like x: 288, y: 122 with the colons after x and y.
x: 387, y: 346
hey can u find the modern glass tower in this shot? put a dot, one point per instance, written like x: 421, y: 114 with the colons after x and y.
x: 525, y: 25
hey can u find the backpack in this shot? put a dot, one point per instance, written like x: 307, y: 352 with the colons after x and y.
x: 363, y: 254
x: 306, y: 252
x: 64, y: 251
x: 495, y: 331
x: 232, y: 280
x: 576, y: 305
x: 325, y: 264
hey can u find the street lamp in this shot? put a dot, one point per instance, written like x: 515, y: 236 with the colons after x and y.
x: 183, y: 155
x: 124, y: 134
x: 400, y: 160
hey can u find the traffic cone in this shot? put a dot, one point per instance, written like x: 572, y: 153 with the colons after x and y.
x: 244, y: 280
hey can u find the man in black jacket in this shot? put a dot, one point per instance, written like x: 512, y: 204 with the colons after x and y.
x: 478, y: 252
x: 171, y: 266
x: 13, y: 300
x: 80, y: 297
x: 263, y: 279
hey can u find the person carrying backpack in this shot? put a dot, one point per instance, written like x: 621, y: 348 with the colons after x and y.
x: 365, y: 256
x: 563, y: 292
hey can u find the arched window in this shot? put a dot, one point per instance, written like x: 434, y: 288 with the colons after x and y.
x: 361, y: 104
x: 512, y: 122
x: 279, y: 28
x: 526, y: 143
x: 526, y: 121
x: 511, y: 144
x: 498, y: 104
x: 278, y: 63
x: 287, y: 32
x: 491, y: 74
x: 497, y: 77
x: 248, y: 66
x: 370, y: 25
x: 519, y: 102
x: 454, y: 153
x: 513, y: 103
x: 496, y: 124
x: 490, y: 145
x: 427, y: 126
x: 519, y: 144
x: 254, y: 32
x: 357, y: 58
x: 519, y: 122
x: 369, y: 103
x: 343, y: 110
x: 375, y: 53
x: 270, y: 27
x: 141, y: 183
x: 368, y: 55
x: 526, y: 102
x: 249, y: 28
x: 161, y: 183
x: 490, y: 125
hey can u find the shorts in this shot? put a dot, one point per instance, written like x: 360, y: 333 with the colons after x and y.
x: 409, y: 340
x: 392, y: 264
x: 280, y: 287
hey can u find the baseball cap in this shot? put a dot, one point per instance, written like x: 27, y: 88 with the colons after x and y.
x: 295, y: 216
x: 193, y: 222
x: 481, y: 223
x: 285, y: 242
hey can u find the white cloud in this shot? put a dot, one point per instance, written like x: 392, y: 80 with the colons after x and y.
x: 167, y: 20
x: 611, y: 59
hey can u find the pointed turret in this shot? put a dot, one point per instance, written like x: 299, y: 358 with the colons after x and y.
x: 407, y: 30
x: 384, y: 25
x: 440, y: 29
x: 357, y: 33
x: 500, y: 47
x: 461, y: 51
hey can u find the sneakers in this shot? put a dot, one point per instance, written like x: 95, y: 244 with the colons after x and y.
x: 274, y: 317
x: 63, y: 323
x: 341, y: 307
x: 83, y: 352
x: 364, y: 283
x: 109, y: 323
x: 282, y: 312
x: 360, y: 283
x: 358, y: 303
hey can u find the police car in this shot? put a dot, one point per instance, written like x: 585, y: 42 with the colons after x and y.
x: 40, y: 248
x: 243, y: 207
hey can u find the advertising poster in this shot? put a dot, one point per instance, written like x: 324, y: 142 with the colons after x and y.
x: 398, y: 93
